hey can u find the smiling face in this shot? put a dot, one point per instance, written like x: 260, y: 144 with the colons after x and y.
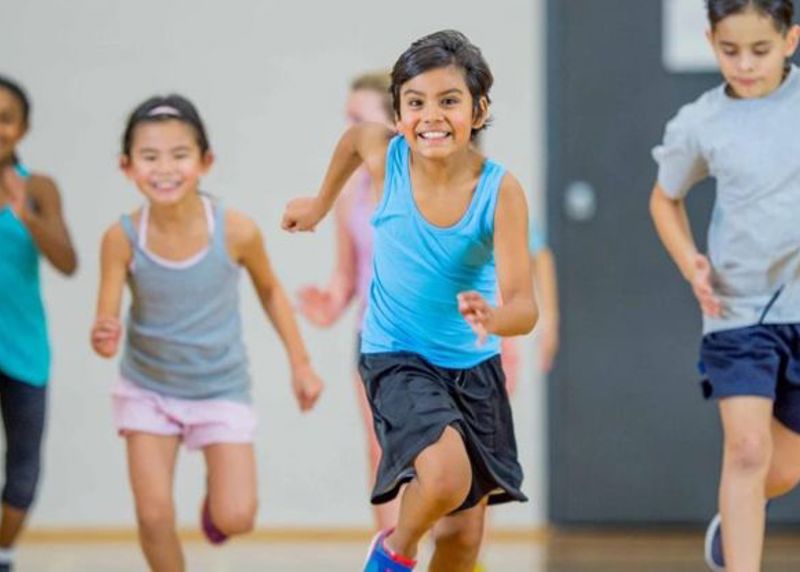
x: 751, y: 52
x: 165, y: 161
x: 12, y: 124
x: 436, y: 113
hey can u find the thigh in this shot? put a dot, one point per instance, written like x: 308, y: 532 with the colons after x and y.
x: 231, y: 476
x: 151, y: 467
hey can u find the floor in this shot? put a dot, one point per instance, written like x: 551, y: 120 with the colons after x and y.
x: 584, y: 552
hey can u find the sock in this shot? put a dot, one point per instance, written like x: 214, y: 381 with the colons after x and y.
x: 6, y: 555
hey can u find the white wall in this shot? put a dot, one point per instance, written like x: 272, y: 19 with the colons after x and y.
x: 269, y: 78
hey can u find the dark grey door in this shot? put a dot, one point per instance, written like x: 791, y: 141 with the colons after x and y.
x: 631, y: 440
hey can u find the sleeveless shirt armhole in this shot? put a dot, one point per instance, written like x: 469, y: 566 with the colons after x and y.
x: 393, y: 161
x: 493, y: 183
x: 127, y: 226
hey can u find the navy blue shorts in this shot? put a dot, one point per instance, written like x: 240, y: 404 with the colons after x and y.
x: 761, y: 360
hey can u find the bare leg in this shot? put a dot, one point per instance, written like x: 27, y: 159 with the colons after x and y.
x: 784, y: 471
x: 232, y: 486
x: 747, y: 454
x: 458, y: 540
x: 151, y: 465
x: 11, y: 525
x: 444, y: 476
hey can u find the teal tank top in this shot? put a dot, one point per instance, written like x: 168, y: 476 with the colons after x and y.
x: 184, y: 330
x: 24, y: 346
x: 419, y: 268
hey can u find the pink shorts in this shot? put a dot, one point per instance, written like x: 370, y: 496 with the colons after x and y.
x: 199, y: 422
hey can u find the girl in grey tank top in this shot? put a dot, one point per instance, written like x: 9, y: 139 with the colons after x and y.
x: 184, y: 368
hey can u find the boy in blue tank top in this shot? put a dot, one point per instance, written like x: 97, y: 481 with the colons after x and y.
x: 31, y: 227
x: 449, y: 226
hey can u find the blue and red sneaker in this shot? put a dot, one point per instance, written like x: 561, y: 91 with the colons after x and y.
x: 213, y: 534
x: 381, y: 559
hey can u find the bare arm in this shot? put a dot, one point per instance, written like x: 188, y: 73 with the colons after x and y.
x: 363, y: 143
x: 115, y: 258
x: 247, y: 247
x: 37, y: 203
x: 672, y: 225
x: 324, y: 307
x: 544, y: 277
x: 518, y: 312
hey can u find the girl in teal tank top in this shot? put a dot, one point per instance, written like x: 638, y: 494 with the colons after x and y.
x: 31, y: 225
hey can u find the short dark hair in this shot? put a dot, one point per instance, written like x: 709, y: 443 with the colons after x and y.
x: 442, y: 49
x: 780, y: 11
x: 161, y: 108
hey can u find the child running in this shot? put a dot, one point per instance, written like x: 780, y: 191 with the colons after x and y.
x: 448, y: 227
x: 369, y: 100
x: 744, y: 134
x: 31, y: 225
x: 184, y: 370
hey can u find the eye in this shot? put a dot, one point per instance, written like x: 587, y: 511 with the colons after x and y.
x: 449, y: 101
x: 414, y: 103
x: 729, y: 52
x: 761, y: 52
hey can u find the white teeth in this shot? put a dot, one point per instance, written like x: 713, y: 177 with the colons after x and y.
x: 433, y: 134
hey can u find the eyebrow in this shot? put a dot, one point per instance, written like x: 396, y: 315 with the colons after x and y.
x: 760, y: 43
x: 446, y: 92
x: 173, y: 150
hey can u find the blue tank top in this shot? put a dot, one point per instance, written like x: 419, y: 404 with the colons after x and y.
x: 24, y: 347
x: 184, y: 331
x: 419, y: 268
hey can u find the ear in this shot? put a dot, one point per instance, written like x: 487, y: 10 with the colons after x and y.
x: 125, y: 165
x: 792, y: 38
x: 710, y: 37
x: 207, y: 161
x: 482, y: 114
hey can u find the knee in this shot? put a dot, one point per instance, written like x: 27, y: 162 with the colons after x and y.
x: 749, y: 452
x: 445, y: 486
x: 155, y: 517
x: 20, y: 490
x: 235, y: 518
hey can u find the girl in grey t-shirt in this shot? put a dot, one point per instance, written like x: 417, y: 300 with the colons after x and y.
x: 744, y: 134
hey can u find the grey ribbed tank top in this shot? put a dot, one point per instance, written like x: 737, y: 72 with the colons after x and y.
x: 184, y: 332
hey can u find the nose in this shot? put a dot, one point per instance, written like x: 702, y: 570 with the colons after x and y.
x: 746, y: 63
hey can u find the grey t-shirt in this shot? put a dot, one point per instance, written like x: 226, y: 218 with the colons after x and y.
x: 752, y: 148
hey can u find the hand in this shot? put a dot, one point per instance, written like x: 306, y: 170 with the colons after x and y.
x: 317, y: 306
x: 701, y: 286
x: 307, y: 386
x: 16, y: 191
x: 106, y: 333
x: 302, y: 215
x: 548, y: 346
x: 477, y: 312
